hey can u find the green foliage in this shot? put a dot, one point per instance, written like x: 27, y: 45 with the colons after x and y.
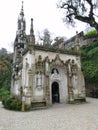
x: 12, y: 103
x: 89, y: 52
x: 90, y: 69
x: 93, y: 53
x: 3, y: 93
x: 5, y: 69
x: 91, y: 33
x: 89, y: 57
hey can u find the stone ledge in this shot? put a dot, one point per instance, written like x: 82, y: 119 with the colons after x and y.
x: 38, y: 104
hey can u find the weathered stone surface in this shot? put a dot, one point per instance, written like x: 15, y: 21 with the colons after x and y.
x: 44, y: 72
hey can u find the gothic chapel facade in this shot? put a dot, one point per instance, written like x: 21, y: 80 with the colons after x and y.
x: 46, y: 75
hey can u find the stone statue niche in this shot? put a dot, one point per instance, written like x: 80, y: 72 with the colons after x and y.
x: 55, y: 71
x: 39, y: 80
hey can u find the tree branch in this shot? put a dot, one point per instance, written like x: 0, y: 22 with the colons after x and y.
x: 91, y: 8
x: 75, y: 8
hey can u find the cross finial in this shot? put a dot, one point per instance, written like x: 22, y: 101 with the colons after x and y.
x: 22, y: 5
x: 77, y: 38
x: 76, y: 32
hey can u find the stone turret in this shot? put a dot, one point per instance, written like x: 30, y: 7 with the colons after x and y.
x: 20, y: 40
x: 20, y: 45
x: 32, y: 36
x: 21, y: 21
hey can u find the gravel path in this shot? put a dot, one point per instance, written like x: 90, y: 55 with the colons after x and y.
x: 58, y: 117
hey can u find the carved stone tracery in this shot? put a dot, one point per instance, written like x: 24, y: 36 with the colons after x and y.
x: 47, y: 66
x: 57, y: 61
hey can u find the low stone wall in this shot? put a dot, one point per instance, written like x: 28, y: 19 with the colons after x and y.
x: 71, y: 42
x: 88, y: 41
x: 92, y: 90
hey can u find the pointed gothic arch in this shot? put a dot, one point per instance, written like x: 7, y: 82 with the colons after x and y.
x: 55, y: 92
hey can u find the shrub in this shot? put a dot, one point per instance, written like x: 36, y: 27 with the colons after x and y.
x: 4, y: 99
x: 3, y: 93
x: 91, y: 33
x: 12, y: 103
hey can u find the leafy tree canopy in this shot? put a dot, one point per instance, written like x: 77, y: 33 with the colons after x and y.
x: 90, y: 69
x: 90, y: 33
x: 82, y: 10
x: 5, y: 68
x: 45, y: 37
x: 89, y: 57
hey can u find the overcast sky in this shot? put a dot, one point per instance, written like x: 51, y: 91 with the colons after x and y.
x: 45, y: 14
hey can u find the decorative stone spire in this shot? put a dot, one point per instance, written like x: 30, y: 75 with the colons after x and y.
x: 22, y: 11
x: 32, y: 37
x: 77, y: 41
x: 20, y: 42
x: 31, y: 29
x: 21, y: 20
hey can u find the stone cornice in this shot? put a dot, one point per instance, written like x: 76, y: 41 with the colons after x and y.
x: 56, y: 50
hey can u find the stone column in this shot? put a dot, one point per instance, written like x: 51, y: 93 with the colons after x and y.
x: 30, y: 80
x: 70, y: 91
x: 70, y: 87
x: 30, y: 76
x: 77, y: 43
x: 47, y: 91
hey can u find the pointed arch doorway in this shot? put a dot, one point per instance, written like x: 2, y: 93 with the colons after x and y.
x: 55, y: 93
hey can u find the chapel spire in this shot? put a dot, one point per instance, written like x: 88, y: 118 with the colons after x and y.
x: 20, y: 41
x: 21, y: 20
x: 22, y: 10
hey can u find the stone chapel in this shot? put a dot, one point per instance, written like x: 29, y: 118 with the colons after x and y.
x: 45, y: 74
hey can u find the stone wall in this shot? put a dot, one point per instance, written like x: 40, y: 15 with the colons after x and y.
x: 83, y: 41
x: 88, y: 40
x: 71, y: 42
